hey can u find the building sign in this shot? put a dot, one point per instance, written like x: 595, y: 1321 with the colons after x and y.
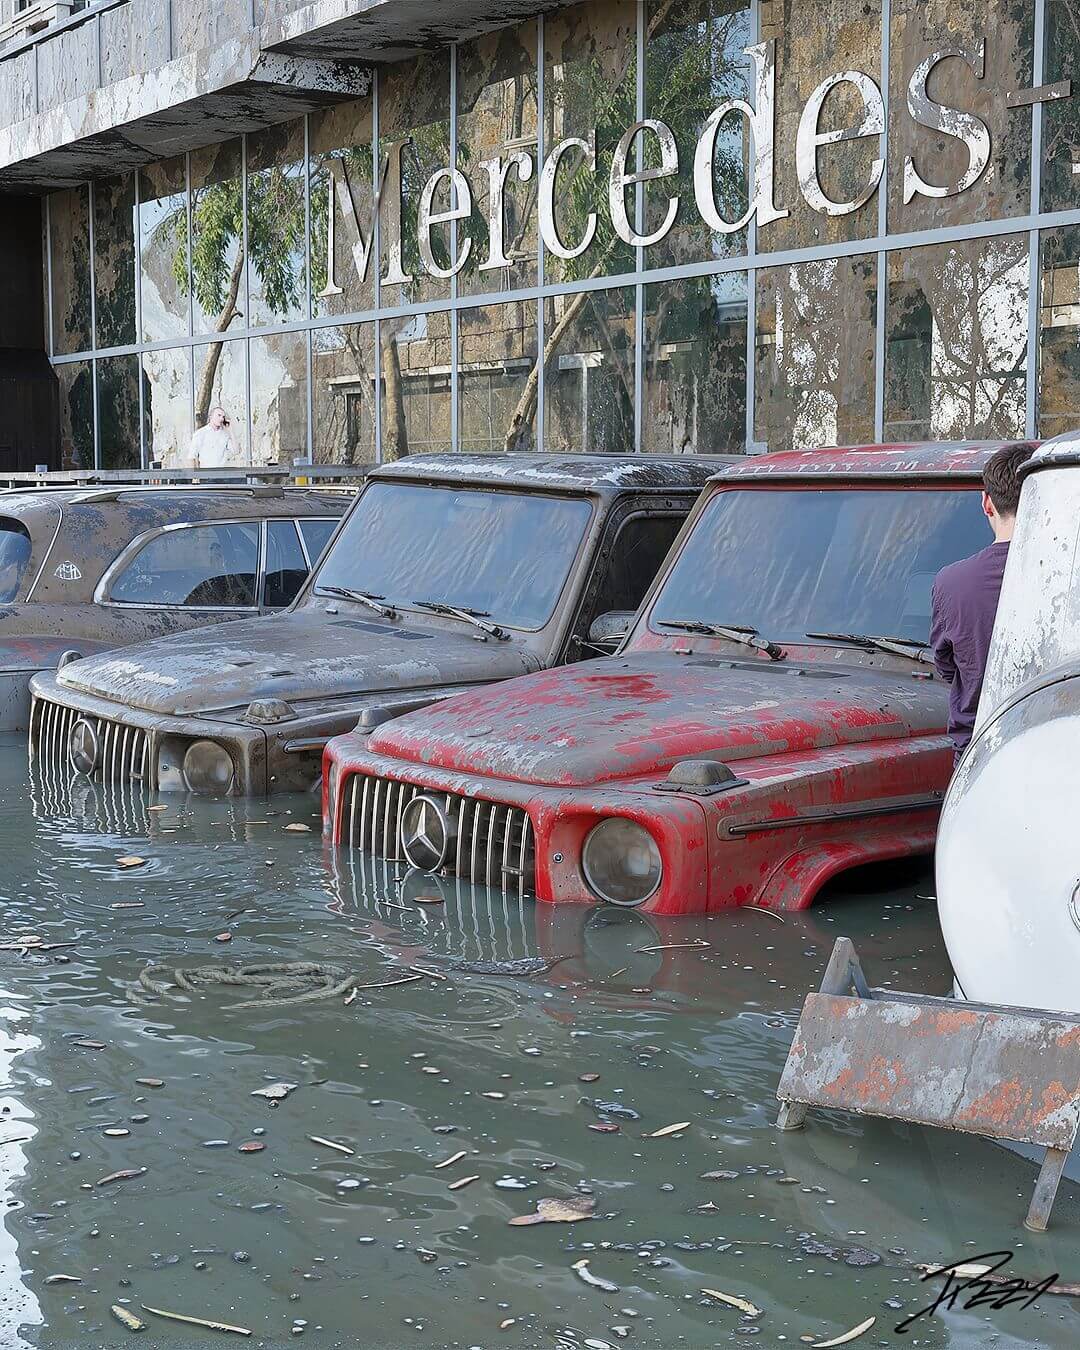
x: 657, y: 139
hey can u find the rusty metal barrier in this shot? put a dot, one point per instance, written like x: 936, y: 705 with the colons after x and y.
x: 999, y: 1072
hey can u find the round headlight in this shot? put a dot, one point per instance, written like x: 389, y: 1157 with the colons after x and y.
x: 208, y: 768
x: 84, y: 747
x: 621, y: 862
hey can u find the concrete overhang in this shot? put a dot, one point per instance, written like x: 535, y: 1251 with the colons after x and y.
x: 393, y: 30
x: 198, y: 99
x: 318, y: 54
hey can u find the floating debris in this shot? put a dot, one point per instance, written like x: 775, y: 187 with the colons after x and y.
x: 847, y: 1337
x: 116, y: 1132
x: 283, y: 983
x: 581, y: 1269
x: 64, y: 1279
x: 606, y: 1127
x: 495, y: 1096
x: 131, y: 860
x: 719, y: 1176
x: 197, y: 1321
x: 125, y: 1174
x: 254, y: 1147
x: 675, y: 946
x: 733, y: 1301
x: 150, y: 1082
x: 558, y: 1209
x: 127, y: 1319
x: 329, y: 1143
x: 428, y: 900
x: 449, y: 1162
x: 89, y: 1045
x: 129, y: 904
x: 612, y: 1109
x: 297, y: 828
x: 275, y: 1092
x: 223, y: 937
x: 462, y: 1182
x: 588, y: 1078
x: 669, y: 1129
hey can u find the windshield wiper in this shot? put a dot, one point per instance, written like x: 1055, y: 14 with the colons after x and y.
x: 476, y: 617
x: 912, y: 648
x: 747, y: 637
x: 361, y: 598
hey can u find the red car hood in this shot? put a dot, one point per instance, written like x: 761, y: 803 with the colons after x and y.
x: 635, y: 715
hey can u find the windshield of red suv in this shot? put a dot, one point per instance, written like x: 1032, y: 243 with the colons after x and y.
x: 790, y: 563
x: 505, y: 555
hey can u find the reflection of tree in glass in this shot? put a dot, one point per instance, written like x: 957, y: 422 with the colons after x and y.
x: 684, y: 81
x: 275, y: 239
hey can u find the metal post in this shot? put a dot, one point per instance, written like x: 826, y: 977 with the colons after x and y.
x: 541, y: 315
x: 452, y: 315
x: 882, y: 229
x: 93, y: 323
x: 249, y: 420
x: 376, y: 250
x: 307, y: 289
x: 751, y: 277
x: 137, y: 232
x: 1034, y: 344
x: 51, y: 336
x: 639, y: 252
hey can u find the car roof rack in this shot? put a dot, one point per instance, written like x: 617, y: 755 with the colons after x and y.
x: 112, y: 494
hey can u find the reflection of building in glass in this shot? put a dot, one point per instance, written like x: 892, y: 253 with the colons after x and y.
x: 362, y: 265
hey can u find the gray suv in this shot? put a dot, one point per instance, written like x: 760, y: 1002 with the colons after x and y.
x: 450, y: 572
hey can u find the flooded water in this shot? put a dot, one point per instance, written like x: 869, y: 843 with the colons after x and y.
x: 376, y: 1244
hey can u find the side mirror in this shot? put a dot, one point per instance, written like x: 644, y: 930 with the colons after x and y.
x: 608, y: 630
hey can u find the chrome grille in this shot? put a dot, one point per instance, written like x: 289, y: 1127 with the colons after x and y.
x: 124, y: 751
x: 494, y: 842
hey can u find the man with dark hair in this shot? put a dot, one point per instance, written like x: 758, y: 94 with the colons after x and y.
x: 966, y: 596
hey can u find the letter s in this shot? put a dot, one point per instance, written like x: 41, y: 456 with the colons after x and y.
x: 962, y: 126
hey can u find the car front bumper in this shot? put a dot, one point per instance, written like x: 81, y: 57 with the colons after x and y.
x: 520, y: 838
x: 149, y: 748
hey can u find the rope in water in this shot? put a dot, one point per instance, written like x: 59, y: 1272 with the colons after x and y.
x: 282, y: 982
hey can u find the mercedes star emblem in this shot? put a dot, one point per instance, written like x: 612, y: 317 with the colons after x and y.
x: 425, y: 833
x: 83, y: 746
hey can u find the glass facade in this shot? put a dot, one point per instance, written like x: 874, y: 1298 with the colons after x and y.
x: 667, y: 226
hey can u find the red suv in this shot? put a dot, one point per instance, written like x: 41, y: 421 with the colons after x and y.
x: 772, y: 718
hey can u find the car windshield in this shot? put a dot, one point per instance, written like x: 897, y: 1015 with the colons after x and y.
x: 789, y: 563
x: 14, y: 557
x: 502, y: 554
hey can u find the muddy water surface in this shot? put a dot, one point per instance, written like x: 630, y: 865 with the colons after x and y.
x: 373, y: 1244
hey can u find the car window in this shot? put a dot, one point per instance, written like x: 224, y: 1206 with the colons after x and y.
x: 821, y: 560
x: 14, y: 557
x: 504, y: 554
x: 209, y: 566
x: 642, y: 544
x: 316, y: 535
x: 286, y: 566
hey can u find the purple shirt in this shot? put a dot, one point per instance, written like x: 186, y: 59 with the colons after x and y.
x: 965, y: 604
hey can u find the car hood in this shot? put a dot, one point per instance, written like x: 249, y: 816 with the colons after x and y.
x: 305, y: 654
x: 635, y: 715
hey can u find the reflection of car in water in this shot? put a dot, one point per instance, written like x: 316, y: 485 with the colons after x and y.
x: 772, y: 721
x: 449, y: 572
x: 88, y: 570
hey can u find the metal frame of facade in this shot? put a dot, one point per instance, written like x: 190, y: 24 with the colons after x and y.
x: 881, y: 244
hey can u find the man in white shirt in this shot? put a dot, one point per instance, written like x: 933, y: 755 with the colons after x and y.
x: 213, y: 446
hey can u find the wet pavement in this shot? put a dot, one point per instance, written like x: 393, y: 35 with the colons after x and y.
x: 547, y: 1048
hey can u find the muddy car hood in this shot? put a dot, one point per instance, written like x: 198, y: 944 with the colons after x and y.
x: 635, y: 715
x: 302, y: 655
